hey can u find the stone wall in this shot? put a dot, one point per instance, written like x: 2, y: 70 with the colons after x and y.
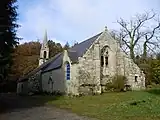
x: 126, y: 67
x: 53, y: 81
x: 87, y: 75
x: 34, y: 83
x: 118, y: 63
x: 22, y: 88
x: 71, y: 85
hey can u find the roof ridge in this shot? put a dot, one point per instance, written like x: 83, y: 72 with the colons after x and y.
x: 87, y: 39
x: 52, y: 59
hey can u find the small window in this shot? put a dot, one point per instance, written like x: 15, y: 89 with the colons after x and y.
x: 136, y: 77
x: 22, y: 86
x: 67, y: 71
x: 102, y: 61
x: 106, y: 60
x: 45, y: 54
x: 50, y: 79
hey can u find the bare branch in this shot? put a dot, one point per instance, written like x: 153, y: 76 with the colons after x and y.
x: 151, y: 49
x: 153, y: 32
x: 138, y: 30
x: 122, y: 37
x: 142, y: 19
x: 123, y: 24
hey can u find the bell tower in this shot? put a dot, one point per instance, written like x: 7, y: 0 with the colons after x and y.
x: 44, y: 52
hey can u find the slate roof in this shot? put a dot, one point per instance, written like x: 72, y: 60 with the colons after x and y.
x: 74, y: 52
x: 43, y: 66
x: 56, y: 62
x: 73, y: 55
x: 83, y: 46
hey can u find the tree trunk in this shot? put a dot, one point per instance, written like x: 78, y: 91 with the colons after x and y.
x: 132, y: 53
x: 145, y: 50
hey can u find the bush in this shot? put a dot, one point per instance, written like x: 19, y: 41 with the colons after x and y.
x: 109, y: 87
x: 117, y: 84
x: 151, y: 68
x: 156, y: 71
x: 153, y: 85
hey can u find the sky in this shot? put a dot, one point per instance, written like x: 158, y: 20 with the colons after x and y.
x: 75, y: 20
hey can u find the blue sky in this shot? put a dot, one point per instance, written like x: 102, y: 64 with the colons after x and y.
x: 75, y: 20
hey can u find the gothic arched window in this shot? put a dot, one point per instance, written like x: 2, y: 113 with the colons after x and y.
x: 45, y: 54
x: 67, y: 71
x: 102, y: 60
x: 106, y: 60
x: 104, y: 56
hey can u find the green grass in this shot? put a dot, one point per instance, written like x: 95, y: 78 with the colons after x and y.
x: 141, y: 105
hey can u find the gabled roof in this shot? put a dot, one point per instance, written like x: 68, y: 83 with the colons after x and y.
x: 81, y: 48
x: 56, y: 61
x: 74, y: 52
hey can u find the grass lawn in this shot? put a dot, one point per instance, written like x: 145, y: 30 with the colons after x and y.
x: 141, y: 105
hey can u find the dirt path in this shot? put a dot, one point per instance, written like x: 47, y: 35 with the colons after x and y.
x: 13, y: 107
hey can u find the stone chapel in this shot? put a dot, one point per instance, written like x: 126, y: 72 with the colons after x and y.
x: 89, y: 65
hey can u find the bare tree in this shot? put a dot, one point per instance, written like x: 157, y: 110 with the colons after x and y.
x: 134, y: 31
x: 149, y: 39
x: 119, y: 37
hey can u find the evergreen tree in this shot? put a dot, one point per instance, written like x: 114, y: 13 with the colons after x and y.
x: 54, y: 48
x: 66, y: 46
x: 75, y: 43
x: 8, y: 39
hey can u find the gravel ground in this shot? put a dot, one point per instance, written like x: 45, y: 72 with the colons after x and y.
x: 13, y: 107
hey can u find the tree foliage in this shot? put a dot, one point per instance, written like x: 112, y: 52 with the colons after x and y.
x: 8, y: 38
x: 54, y: 48
x: 155, y: 65
x: 151, y: 68
x: 66, y: 46
x: 26, y: 57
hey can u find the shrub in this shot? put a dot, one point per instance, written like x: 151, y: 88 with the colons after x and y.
x: 117, y: 83
x: 109, y: 87
x: 153, y: 85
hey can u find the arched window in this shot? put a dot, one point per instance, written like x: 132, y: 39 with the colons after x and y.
x: 45, y: 54
x: 106, y: 60
x: 22, y: 86
x: 67, y: 71
x: 102, y: 60
x: 104, y: 56
x: 136, y: 77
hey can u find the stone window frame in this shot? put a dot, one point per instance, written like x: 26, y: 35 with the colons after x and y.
x: 44, y: 54
x: 136, y: 78
x: 104, y: 56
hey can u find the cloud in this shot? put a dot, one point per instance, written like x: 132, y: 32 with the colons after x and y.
x: 70, y: 20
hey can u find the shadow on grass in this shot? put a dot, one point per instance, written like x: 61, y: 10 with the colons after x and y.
x: 154, y: 91
x: 10, y: 101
